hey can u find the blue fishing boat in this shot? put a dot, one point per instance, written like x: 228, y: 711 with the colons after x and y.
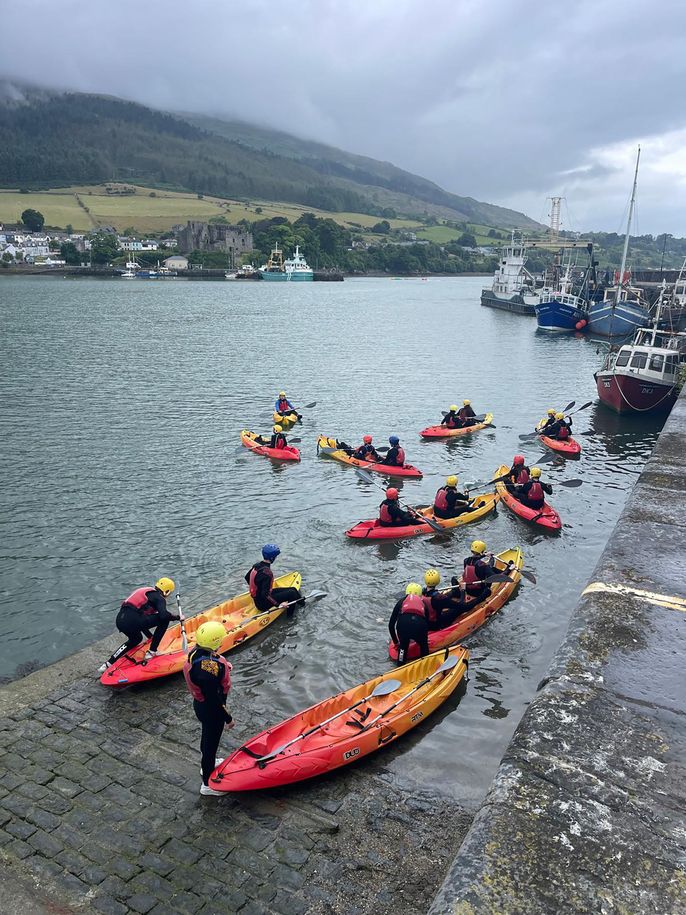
x: 561, y: 312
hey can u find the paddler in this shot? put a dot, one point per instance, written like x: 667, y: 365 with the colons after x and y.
x: 144, y: 609
x: 366, y: 451
x: 561, y: 429
x: 518, y: 474
x: 284, y: 407
x: 208, y: 678
x: 396, y: 454
x: 391, y: 514
x: 450, y: 419
x: 476, y: 568
x: 408, y: 622
x: 277, y: 440
x: 442, y: 607
x: 260, y: 580
x: 466, y: 415
x: 533, y: 492
x: 448, y: 502
x: 546, y: 422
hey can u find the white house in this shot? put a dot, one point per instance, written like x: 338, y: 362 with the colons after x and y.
x: 176, y: 262
x: 130, y: 244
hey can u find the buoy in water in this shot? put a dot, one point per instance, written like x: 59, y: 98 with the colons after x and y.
x: 581, y: 324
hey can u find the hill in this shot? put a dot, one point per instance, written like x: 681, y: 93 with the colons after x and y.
x: 63, y: 139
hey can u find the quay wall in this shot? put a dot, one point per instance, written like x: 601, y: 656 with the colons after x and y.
x: 585, y: 813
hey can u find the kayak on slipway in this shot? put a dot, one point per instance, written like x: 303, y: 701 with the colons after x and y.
x: 445, y: 432
x: 289, y: 453
x: 545, y: 517
x: 345, y: 727
x: 329, y: 447
x: 372, y: 530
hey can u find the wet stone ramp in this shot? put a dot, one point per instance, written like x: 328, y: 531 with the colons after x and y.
x: 586, y: 813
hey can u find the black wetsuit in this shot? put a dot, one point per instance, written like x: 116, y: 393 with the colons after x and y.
x: 408, y: 627
x: 392, y: 457
x: 458, y: 502
x: 559, y: 424
x: 366, y: 453
x: 447, y: 606
x: 136, y: 622
x: 267, y: 596
x: 466, y: 416
x: 478, y: 591
x: 451, y: 420
x: 207, y: 671
x: 512, y: 474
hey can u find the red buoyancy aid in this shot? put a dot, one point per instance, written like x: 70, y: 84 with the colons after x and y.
x: 280, y: 441
x: 138, y: 598
x: 535, y: 493
x: 252, y: 581
x: 521, y: 476
x: 451, y: 420
x: 441, y: 500
x: 224, y: 667
x: 415, y: 604
x: 431, y: 612
x: 563, y: 433
x: 283, y: 406
x: 470, y: 577
x: 400, y: 460
x: 384, y: 514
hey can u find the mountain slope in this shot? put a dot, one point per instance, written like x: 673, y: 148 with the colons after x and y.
x: 52, y: 139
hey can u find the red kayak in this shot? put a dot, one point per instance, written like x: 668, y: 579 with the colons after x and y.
x: 329, y: 447
x: 277, y: 454
x: 373, y: 530
x: 545, y: 517
x: 567, y: 446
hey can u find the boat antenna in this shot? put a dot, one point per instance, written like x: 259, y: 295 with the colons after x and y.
x: 628, y: 222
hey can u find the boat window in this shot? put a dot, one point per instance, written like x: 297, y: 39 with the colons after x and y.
x: 623, y: 357
x: 656, y: 363
x: 638, y: 360
x: 672, y: 363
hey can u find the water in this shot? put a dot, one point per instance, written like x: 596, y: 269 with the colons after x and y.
x: 121, y: 462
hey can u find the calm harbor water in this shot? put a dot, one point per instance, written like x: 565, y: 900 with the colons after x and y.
x: 122, y: 405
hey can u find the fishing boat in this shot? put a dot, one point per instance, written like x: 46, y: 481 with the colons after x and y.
x: 622, y: 309
x: 130, y: 272
x: 274, y: 268
x: 563, y: 305
x: 514, y: 288
x: 297, y: 268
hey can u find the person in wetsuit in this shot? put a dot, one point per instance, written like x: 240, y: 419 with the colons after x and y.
x: 277, y: 440
x: 451, y: 419
x: 144, y: 609
x: 532, y: 493
x: 561, y: 429
x: 546, y: 422
x: 396, y: 454
x: 285, y: 407
x: 448, y: 502
x: 260, y: 580
x: 518, y: 474
x: 408, y: 622
x: 476, y: 569
x: 392, y: 515
x: 466, y: 415
x: 208, y: 678
x: 442, y: 607
x: 366, y: 451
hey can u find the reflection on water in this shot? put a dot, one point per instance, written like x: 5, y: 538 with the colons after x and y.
x: 122, y: 462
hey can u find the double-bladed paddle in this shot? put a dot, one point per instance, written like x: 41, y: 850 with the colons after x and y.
x: 368, y: 478
x: 531, y: 435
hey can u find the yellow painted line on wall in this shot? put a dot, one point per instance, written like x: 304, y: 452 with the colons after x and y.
x: 660, y: 600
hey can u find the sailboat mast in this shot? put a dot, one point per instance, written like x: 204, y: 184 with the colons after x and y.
x: 628, y: 223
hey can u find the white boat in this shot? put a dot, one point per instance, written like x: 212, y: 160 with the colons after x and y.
x: 297, y: 268
x: 514, y: 288
x: 130, y: 272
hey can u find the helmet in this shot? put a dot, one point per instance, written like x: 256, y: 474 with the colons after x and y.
x: 478, y: 546
x: 466, y: 402
x: 535, y: 472
x: 551, y: 412
x: 367, y: 439
x: 391, y: 493
x: 518, y: 459
x: 414, y: 588
x: 559, y: 416
x: 210, y: 635
x: 282, y: 393
x: 453, y: 408
x: 278, y: 428
x: 165, y: 585
x: 432, y: 577
x: 451, y: 481
x: 270, y: 551
x: 394, y: 440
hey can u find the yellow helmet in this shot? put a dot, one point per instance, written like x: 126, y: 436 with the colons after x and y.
x: 559, y: 416
x: 478, y: 547
x: 278, y: 428
x: 282, y: 393
x: 210, y: 635
x: 413, y: 588
x: 165, y: 585
x: 551, y: 412
x: 432, y: 577
x: 453, y: 408
x: 466, y: 402
x: 535, y: 472
x: 451, y: 480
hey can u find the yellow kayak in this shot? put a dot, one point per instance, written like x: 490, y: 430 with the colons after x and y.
x: 285, y: 421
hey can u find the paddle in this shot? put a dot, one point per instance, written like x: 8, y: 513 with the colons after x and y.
x: 530, y: 435
x: 447, y: 665
x: 381, y: 689
x: 368, y: 478
x: 182, y: 621
x: 496, y: 578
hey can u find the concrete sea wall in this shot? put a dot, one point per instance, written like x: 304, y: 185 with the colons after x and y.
x: 586, y: 812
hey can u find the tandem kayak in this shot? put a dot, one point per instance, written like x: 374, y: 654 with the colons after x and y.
x: 545, y: 517
x: 277, y: 454
x: 326, y: 445
x: 344, y: 728
x: 569, y: 446
x: 473, y: 619
x: 239, y: 616
x: 290, y: 419
x: 372, y: 530
x: 444, y: 432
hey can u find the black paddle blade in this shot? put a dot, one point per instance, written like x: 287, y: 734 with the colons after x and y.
x: 308, y: 406
x: 568, y: 407
x: 527, y: 436
x: 528, y: 575
x: 570, y: 484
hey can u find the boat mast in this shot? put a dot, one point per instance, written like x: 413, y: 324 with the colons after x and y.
x: 628, y: 223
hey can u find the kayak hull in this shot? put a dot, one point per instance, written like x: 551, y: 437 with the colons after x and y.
x: 546, y: 518
x: 285, y: 421
x: 339, y: 743
x: 372, y: 530
x: 239, y: 616
x: 570, y: 447
x: 443, y: 432
x: 276, y: 454
x: 407, y: 471
x: 469, y: 622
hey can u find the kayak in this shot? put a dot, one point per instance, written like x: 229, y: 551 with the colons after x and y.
x: 407, y: 470
x: 239, y: 615
x: 372, y: 530
x: 545, y: 517
x: 444, y: 432
x: 570, y: 447
x: 467, y: 623
x: 342, y: 729
x: 277, y: 454
x: 285, y: 421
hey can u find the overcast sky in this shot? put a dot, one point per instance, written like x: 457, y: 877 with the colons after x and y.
x: 508, y: 101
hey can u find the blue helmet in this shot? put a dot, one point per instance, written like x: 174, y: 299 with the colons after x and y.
x: 394, y: 440
x: 270, y: 551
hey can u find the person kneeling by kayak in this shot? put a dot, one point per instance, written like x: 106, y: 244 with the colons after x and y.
x: 466, y: 415
x: 533, y: 492
x: 143, y: 610
x: 366, y: 451
x: 260, y: 580
x: 450, y: 419
x: 391, y: 514
x: 518, y: 474
x: 208, y: 678
x: 448, y: 502
x: 442, y: 607
x: 408, y: 622
x: 284, y: 406
x: 476, y: 569
x: 396, y: 454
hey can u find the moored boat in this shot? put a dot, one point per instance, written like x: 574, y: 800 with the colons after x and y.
x: 514, y: 288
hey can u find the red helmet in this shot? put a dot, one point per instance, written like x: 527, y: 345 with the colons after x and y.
x: 518, y: 459
x: 391, y: 493
x: 367, y: 439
